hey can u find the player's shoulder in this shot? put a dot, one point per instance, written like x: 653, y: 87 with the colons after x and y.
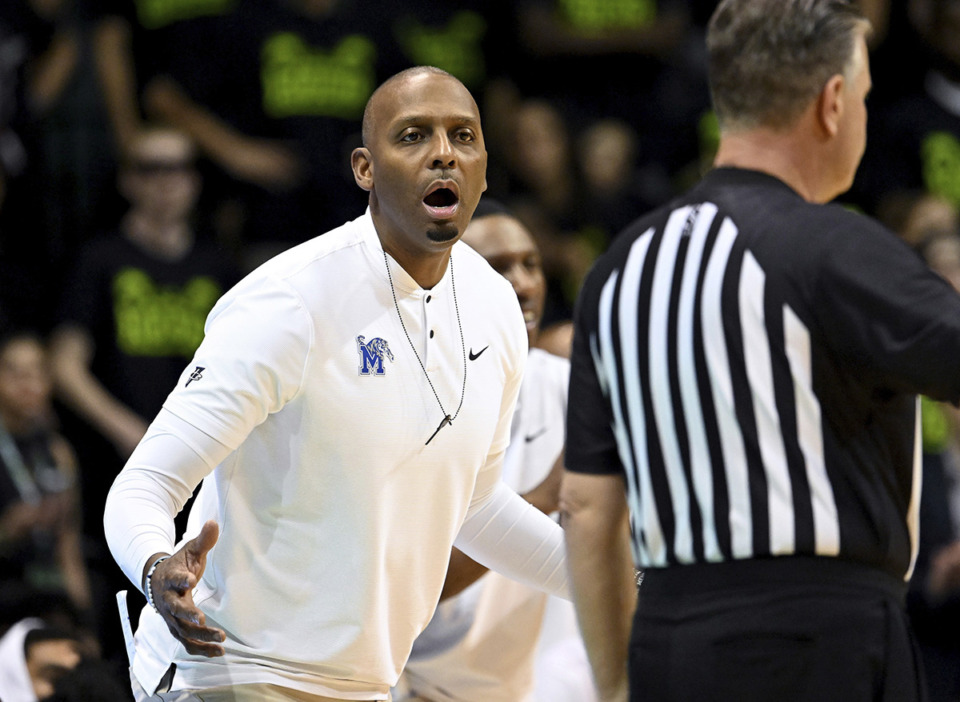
x: 541, y: 358
x: 549, y: 367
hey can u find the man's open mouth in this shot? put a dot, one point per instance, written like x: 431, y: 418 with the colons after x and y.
x: 444, y: 197
x: 442, y: 202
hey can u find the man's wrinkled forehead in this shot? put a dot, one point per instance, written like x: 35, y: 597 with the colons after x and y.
x: 422, y: 98
x: 420, y: 117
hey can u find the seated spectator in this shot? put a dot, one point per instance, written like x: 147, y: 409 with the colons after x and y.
x: 41, y: 661
x: 32, y: 658
x: 40, y: 534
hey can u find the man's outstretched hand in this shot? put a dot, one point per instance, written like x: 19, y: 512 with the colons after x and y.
x: 173, y: 582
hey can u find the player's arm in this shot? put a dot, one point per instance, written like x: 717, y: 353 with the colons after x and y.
x: 594, y: 515
x: 462, y: 572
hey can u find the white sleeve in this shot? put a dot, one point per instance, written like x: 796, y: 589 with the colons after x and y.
x: 509, y: 535
x: 250, y: 364
x: 158, y: 479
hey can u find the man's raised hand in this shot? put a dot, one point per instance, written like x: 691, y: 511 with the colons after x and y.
x: 173, y: 582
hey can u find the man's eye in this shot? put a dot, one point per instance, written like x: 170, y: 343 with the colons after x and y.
x: 466, y: 136
x: 411, y: 137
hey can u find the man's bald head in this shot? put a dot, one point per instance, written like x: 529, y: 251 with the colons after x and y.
x: 386, y: 87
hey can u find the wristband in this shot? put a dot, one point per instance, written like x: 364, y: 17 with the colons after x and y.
x: 148, y: 587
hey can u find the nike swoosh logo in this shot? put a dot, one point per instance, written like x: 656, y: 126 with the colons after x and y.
x: 475, y: 356
x: 535, y: 435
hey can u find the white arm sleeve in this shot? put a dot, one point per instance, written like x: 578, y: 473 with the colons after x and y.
x: 509, y: 535
x: 158, y: 479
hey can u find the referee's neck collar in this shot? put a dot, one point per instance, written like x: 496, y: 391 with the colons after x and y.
x: 746, y: 176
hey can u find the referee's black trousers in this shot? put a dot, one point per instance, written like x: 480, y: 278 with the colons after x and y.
x: 788, y: 629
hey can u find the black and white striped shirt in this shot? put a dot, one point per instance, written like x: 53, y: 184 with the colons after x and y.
x: 750, y: 362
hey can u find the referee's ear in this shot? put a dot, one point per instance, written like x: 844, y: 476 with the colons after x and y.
x: 362, y: 165
x: 830, y: 106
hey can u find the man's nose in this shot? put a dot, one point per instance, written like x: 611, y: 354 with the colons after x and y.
x: 444, y: 154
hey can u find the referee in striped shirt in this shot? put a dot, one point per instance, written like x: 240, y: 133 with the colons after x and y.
x: 744, y: 387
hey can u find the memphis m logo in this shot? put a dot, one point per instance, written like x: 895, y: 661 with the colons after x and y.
x: 371, y: 355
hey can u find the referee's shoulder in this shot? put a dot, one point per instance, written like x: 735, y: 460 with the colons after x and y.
x: 839, y: 220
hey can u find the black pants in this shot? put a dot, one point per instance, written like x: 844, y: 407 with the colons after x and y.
x: 774, y: 630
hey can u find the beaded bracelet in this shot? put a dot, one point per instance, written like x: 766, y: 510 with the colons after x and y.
x: 148, y: 587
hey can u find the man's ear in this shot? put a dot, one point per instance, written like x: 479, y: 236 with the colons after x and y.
x: 830, y: 106
x: 362, y: 166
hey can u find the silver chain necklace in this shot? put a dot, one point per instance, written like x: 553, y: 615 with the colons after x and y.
x: 447, y: 419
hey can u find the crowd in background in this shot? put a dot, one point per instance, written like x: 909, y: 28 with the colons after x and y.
x: 153, y: 151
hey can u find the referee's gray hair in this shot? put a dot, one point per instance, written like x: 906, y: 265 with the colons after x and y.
x: 769, y: 58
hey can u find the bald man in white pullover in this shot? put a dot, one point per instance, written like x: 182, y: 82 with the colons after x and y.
x: 347, y: 413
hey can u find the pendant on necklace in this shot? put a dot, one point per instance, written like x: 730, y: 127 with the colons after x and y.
x: 443, y: 422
